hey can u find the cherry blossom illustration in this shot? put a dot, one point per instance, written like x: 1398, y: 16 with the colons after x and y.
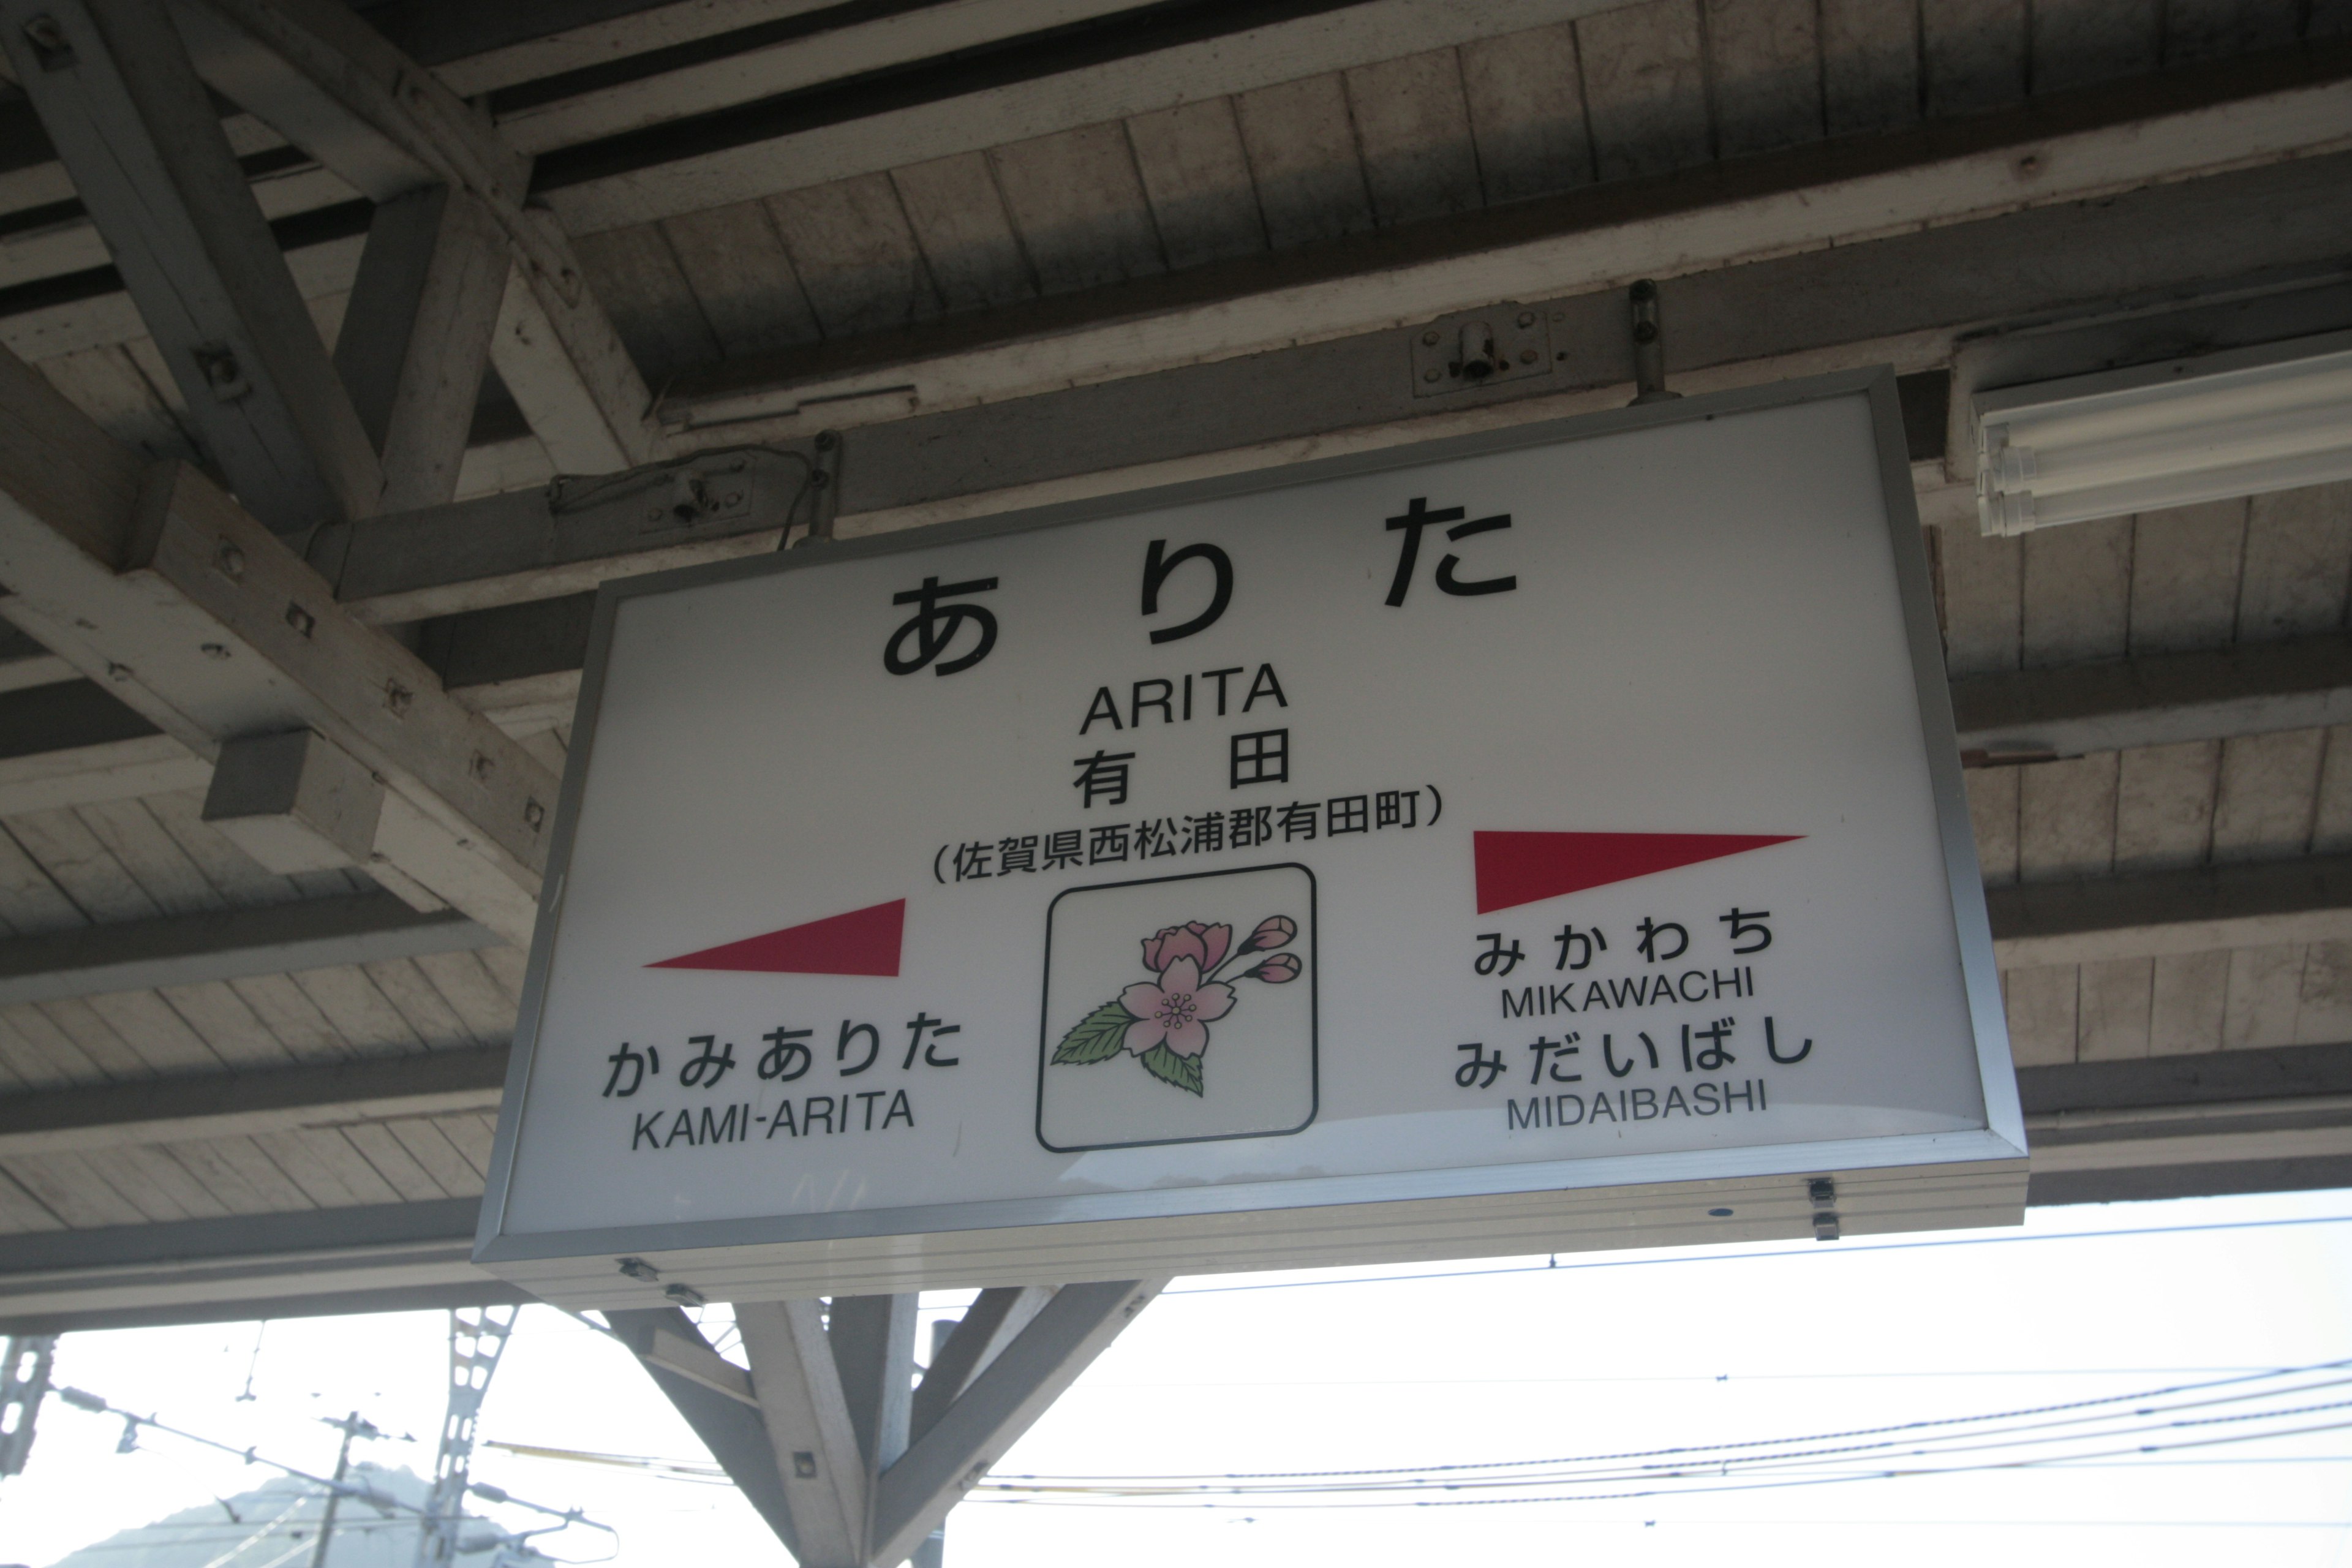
x: 1163, y: 1023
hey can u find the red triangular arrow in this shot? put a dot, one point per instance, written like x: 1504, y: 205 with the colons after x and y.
x: 1520, y: 868
x: 863, y: 942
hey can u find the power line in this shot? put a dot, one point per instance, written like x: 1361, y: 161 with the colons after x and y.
x: 1556, y: 1266
x: 1693, y: 1450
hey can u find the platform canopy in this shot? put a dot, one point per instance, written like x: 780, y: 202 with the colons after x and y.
x: 355, y: 344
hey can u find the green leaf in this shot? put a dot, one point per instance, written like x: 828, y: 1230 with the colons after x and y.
x: 1097, y: 1036
x: 1166, y: 1066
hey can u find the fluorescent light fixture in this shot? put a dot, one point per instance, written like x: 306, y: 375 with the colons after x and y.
x: 2234, y: 424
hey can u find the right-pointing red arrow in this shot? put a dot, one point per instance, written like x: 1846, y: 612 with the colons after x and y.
x: 1522, y: 868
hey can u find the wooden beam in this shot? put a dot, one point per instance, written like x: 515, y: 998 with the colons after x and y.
x: 666, y: 1341
x: 993, y: 1322
x: 375, y: 1258
x: 118, y: 95
x: 1078, y: 1325
x: 555, y: 346
x: 1905, y: 298
x: 417, y: 336
x: 2254, y: 903
x: 1164, y: 61
x: 227, y: 944
x: 809, y: 1427
x: 243, y: 1104
x: 2154, y: 699
x: 211, y: 628
x: 2067, y: 148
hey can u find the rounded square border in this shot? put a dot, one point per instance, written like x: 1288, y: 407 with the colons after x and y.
x: 1314, y: 1009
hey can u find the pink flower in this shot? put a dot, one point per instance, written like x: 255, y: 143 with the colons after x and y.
x: 1275, y: 931
x: 1206, y: 945
x: 1176, y: 1013
x: 1279, y: 970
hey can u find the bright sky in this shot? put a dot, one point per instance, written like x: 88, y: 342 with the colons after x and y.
x: 1493, y: 1360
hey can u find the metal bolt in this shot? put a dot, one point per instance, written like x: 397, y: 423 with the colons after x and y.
x: 303, y: 622
x: 397, y: 698
x: 1430, y: 338
x: 1527, y: 357
x: 1526, y: 318
x: 533, y: 814
x: 803, y: 1465
x: 229, y: 561
x: 118, y: 671
x: 481, y: 767
x: 1429, y: 375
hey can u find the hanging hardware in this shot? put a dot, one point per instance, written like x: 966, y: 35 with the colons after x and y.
x: 1649, y: 346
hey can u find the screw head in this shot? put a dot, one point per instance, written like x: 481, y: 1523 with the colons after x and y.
x: 1430, y: 338
x: 1526, y: 318
x: 1429, y: 375
x: 1527, y: 357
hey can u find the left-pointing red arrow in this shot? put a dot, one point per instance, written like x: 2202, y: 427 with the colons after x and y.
x: 863, y: 942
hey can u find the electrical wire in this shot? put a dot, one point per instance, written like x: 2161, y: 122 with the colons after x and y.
x: 1693, y: 1451
x: 1556, y: 1266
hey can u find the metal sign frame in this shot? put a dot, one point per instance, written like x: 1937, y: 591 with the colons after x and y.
x: 1981, y: 1174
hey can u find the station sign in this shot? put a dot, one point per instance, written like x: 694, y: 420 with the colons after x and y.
x: 1536, y: 840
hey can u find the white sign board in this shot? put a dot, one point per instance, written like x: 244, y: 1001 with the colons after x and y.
x: 1536, y: 840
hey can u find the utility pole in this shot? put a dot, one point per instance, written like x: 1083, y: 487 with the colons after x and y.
x: 23, y: 1380
x: 477, y: 1336
x: 351, y: 1427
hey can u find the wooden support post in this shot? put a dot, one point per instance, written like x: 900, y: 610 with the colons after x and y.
x: 154, y: 582
x: 295, y: 802
x: 117, y: 94
x: 1078, y: 1325
x: 331, y: 85
x: 416, y: 337
x: 808, y: 1415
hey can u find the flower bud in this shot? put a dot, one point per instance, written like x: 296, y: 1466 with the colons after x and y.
x: 1275, y: 931
x: 1279, y: 970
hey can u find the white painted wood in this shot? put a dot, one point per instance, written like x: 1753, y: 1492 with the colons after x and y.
x: 2186, y: 564
x: 2077, y: 592
x: 118, y: 770
x: 2268, y: 793
x: 2266, y: 993
x: 2066, y: 827
x: 1197, y: 176
x: 1973, y: 53
x: 635, y: 274
x: 1645, y: 87
x: 803, y: 1407
x: 1665, y: 244
x: 394, y: 1163
x: 1765, y: 68
x: 1870, y: 65
x: 2189, y: 994
x: 1074, y: 1328
x: 2114, y: 996
x: 2164, y: 806
x: 1526, y: 93
x: 1279, y: 52
x: 1982, y: 582
x: 603, y: 39
x: 2324, y: 1007
x: 1077, y: 203
x: 855, y: 255
x: 1412, y: 130
x: 423, y: 310
x: 1302, y: 154
x: 736, y: 265
x: 740, y: 77
x: 2042, y: 1003
x: 201, y: 567
x: 134, y: 124
x: 2297, y: 542
x: 571, y: 378
x: 1992, y: 815
x: 2077, y: 42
